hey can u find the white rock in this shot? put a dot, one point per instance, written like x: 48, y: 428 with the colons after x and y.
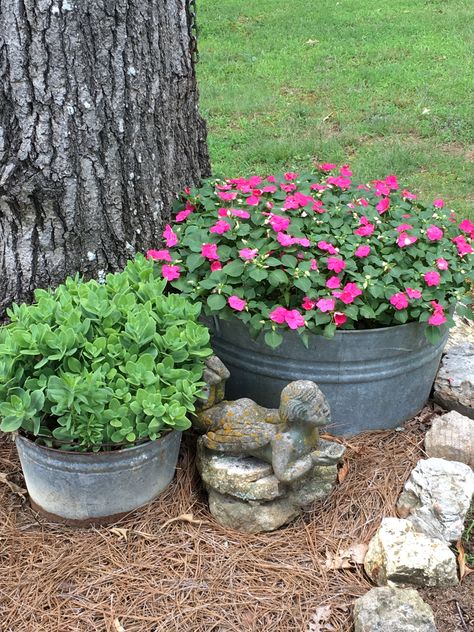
x: 388, y: 609
x: 399, y: 556
x: 454, y: 383
x: 437, y: 497
x: 451, y: 437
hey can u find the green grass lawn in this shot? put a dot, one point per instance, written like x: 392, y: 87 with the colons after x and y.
x: 385, y: 86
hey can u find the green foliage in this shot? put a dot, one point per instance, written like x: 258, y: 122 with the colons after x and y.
x: 91, y: 366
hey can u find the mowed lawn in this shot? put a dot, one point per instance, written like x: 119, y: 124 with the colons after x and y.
x: 385, y: 86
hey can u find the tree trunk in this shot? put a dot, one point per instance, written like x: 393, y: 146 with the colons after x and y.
x: 99, y: 128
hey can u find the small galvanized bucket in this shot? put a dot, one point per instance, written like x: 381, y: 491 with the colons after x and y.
x: 83, y: 488
x: 373, y: 378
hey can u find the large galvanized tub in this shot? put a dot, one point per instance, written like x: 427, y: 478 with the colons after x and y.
x: 373, y: 379
x: 96, y: 487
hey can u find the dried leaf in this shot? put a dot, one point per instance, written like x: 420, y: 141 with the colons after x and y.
x: 464, y: 569
x: 312, y: 42
x: 343, y: 471
x: 118, y: 626
x: 183, y: 518
x: 347, y: 444
x: 346, y: 558
x: 319, y: 622
x: 14, y: 488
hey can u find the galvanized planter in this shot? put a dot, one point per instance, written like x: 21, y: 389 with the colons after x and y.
x: 84, y: 488
x: 373, y: 379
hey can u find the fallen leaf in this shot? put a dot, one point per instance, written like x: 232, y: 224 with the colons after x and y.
x: 312, y: 42
x: 319, y: 622
x: 330, y: 437
x: 14, y: 488
x: 346, y: 558
x: 464, y: 569
x: 118, y: 626
x: 343, y: 471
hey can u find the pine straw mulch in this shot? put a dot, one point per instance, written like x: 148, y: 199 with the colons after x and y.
x: 157, y: 572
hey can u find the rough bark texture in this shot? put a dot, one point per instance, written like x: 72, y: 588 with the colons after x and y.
x: 99, y: 128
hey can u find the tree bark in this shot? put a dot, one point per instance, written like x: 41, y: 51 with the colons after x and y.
x: 99, y: 128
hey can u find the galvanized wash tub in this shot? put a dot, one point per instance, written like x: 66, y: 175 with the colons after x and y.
x: 373, y: 379
x: 96, y: 487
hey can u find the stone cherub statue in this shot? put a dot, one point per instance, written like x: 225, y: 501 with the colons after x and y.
x: 287, y: 437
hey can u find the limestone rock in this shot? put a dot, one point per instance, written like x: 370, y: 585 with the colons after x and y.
x: 451, y: 437
x: 437, y: 497
x: 454, y: 384
x: 388, y: 609
x: 251, y: 516
x: 400, y: 556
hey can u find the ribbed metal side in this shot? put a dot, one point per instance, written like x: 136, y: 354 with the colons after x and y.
x: 373, y: 379
x: 78, y: 486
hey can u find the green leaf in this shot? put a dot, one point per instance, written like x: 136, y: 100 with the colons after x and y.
x: 273, y: 339
x: 234, y: 269
x: 277, y: 277
x: 258, y: 274
x: 303, y: 284
x: 216, y: 302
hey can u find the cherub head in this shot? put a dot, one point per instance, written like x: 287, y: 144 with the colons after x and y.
x: 303, y: 402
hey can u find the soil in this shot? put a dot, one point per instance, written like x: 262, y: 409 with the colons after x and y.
x: 170, y: 567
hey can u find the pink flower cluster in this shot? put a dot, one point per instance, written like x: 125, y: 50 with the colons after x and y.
x: 283, y: 246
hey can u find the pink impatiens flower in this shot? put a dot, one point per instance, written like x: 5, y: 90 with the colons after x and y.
x: 442, y: 264
x: 327, y: 166
x: 209, y: 251
x: 399, y: 300
x: 159, y: 255
x: 333, y: 282
x: 325, y: 245
x: 313, y: 264
x: 279, y: 223
x: 220, y: 227
x: 182, y: 215
x: 383, y: 205
x: 326, y: 304
x: 171, y: 238
x: 439, y: 203
x: 413, y: 293
x: 278, y: 315
x: 336, y: 264
x: 401, y: 228
x: 348, y: 294
x: 308, y: 303
x: 216, y: 266
x: 170, y: 272
x: 404, y: 239
x: 339, y: 318
x: 407, y: 195
x: 434, y: 233
x: 463, y: 247
x: 290, y: 175
x: 392, y: 182
x: 432, y: 277
x: 227, y: 195
x: 236, y: 303
x: 466, y: 226
x: 294, y: 319
x: 285, y: 240
x: 345, y: 171
x: 362, y: 251
x: 248, y: 253
x: 366, y: 228
x: 437, y: 319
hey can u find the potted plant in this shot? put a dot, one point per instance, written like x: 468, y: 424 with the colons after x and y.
x: 315, y: 276
x: 97, y: 381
